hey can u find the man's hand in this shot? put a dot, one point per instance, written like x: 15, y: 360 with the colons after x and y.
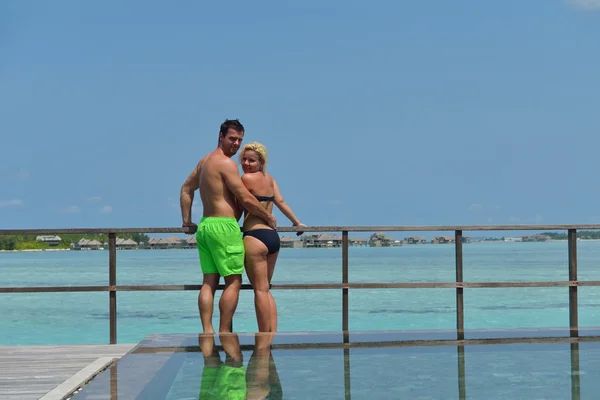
x: 190, y: 228
x: 272, y: 222
x: 300, y: 224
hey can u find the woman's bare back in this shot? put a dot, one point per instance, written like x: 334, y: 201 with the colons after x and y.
x: 261, y: 185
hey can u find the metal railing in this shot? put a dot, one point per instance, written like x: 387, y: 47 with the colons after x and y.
x: 459, y: 285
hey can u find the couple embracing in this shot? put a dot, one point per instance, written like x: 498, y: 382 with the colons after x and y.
x: 224, y: 250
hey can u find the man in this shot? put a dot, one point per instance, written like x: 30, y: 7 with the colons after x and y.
x: 219, y: 238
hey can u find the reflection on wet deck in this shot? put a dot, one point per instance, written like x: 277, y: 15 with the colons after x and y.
x: 548, y: 364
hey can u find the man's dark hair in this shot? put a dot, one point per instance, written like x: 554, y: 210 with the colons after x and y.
x: 231, y: 124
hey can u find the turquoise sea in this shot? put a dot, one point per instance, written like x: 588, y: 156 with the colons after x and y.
x: 70, y: 318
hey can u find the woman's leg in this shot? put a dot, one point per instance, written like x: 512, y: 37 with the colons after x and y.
x: 271, y: 260
x: 256, y: 269
x: 257, y: 372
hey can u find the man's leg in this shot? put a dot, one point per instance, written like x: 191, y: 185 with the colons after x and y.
x: 227, y: 249
x: 229, y: 301
x: 231, y: 345
x: 212, y: 364
x: 231, y: 381
x: 206, y: 299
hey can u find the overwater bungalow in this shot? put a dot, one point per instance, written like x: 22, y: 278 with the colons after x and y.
x: 380, y: 239
x: 50, y: 240
x: 416, y: 240
x: 443, y: 239
x: 86, y: 244
x: 126, y: 244
x: 291, y: 242
x: 172, y: 242
x: 358, y: 242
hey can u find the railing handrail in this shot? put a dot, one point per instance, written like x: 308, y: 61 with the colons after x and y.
x: 326, y: 228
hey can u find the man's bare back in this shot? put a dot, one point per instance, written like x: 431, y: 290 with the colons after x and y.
x: 217, y: 198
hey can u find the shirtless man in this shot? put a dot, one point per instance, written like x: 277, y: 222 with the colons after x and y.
x: 219, y: 237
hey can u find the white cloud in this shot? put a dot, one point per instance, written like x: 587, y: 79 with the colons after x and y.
x: 22, y: 174
x: 585, y: 4
x: 11, y: 202
x: 106, y: 209
x: 71, y: 209
x: 94, y: 199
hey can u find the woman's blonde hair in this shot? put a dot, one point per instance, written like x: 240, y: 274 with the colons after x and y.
x: 259, y: 149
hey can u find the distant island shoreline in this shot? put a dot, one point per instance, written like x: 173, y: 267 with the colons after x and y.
x: 378, y: 240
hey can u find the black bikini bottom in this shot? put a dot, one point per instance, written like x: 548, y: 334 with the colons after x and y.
x: 268, y: 236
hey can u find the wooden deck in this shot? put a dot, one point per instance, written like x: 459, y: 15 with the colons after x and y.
x: 33, y: 372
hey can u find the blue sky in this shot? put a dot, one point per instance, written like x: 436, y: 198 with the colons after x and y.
x: 374, y: 113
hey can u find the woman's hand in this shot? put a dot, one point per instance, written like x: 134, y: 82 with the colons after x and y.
x: 299, y: 224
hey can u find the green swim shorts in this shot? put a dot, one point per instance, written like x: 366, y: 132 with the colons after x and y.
x: 220, y: 245
x: 231, y: 383
x: 207, y: 385
x: 223, y: 382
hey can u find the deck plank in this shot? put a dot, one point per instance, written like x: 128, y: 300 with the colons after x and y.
x: 30, y: 372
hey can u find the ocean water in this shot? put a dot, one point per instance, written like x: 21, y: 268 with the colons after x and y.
x: 70, y: 318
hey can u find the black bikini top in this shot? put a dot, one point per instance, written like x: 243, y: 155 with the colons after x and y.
x: 265, y: 198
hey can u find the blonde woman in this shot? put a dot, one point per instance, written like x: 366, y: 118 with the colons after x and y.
x: 261, y: 242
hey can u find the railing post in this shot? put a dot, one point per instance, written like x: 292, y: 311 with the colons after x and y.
x: 114, y: 381
x: 575, y: 372
x: 573, y: 310
x: 112, y: 281
x: 462, y: 384
x: 347, y: 386
x: 345, y: 284
x: 460, y: 305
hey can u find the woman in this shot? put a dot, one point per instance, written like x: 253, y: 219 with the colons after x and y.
x: 261, y: 242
